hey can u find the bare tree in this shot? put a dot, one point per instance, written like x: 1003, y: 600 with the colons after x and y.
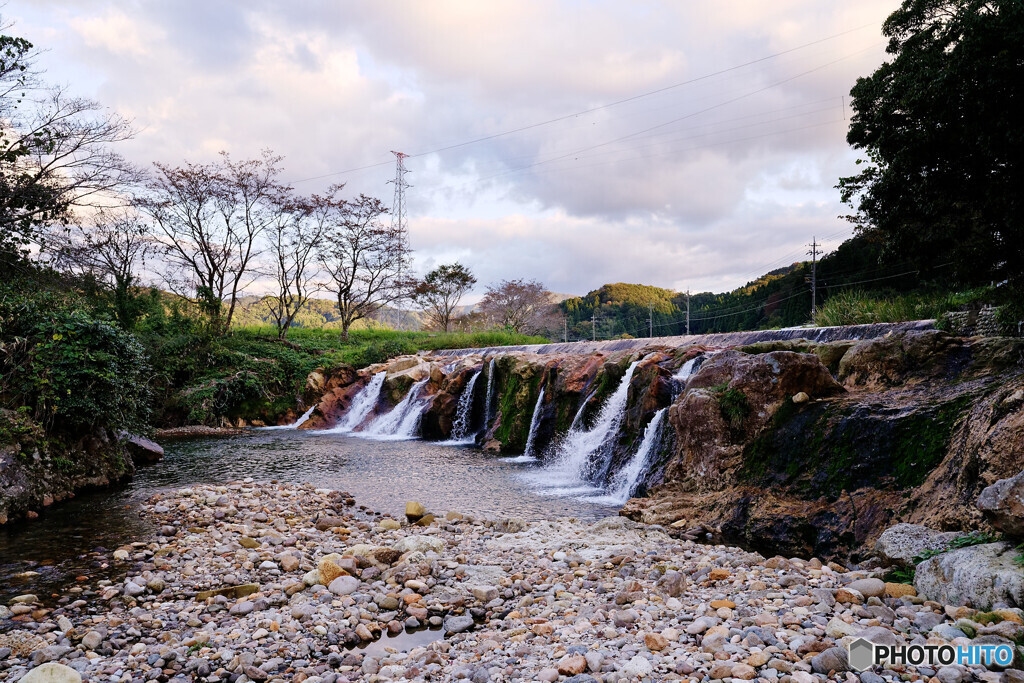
x: 55, y: 150
x: 364, y: 258
x: 440, y: 292
x: 295, y: 239
x: 516, y: 305
x: 212, y: 216
x: 112, y: 246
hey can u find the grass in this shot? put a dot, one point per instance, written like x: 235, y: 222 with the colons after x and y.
x: 250, y: 373
x: 857, y: 307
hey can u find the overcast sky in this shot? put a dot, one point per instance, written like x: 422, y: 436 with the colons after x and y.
x: 680, y: 144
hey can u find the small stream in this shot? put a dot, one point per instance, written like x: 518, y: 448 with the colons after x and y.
x: 73, y: 539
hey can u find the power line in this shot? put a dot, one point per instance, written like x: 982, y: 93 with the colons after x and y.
x: 597, y: 108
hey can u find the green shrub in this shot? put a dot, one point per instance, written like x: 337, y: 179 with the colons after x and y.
x: 72, y: 371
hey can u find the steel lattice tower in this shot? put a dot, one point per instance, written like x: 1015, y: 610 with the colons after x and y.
x: 398, y: 217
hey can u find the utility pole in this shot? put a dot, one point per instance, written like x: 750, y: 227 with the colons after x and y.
x: 565, y: 329
x: 814, y: 275
x: 593, y: 323
x: 687, y: 313
x: 650, y: 319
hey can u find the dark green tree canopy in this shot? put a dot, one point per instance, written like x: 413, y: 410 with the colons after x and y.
x: 941, y: 127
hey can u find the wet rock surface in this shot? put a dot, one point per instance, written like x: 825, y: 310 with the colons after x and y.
x: 231, y: 590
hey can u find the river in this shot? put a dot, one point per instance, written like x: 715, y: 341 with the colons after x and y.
x: 71, y: 539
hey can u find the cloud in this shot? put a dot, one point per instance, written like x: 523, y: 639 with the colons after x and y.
x: 731, y: 164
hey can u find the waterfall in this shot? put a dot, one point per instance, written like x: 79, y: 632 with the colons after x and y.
x: 573, y: 465
x: 403, y: 420
x: 534, y: 423
x: 624, y: 482
x: 464, y: 413
x: 687, y: 369
x: 490, y: 392
x: 293, y: 425
x: 362, y: 404
x: 579, y: 413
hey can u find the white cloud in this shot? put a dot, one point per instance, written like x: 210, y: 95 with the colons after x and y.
x: 734, y: 170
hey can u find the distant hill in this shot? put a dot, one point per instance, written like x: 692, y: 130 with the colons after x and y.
x: 779, y: 298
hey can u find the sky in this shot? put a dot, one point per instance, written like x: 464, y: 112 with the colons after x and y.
x: 689, y: 145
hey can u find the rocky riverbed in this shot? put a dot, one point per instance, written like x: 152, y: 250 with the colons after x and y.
x: 267, y: 581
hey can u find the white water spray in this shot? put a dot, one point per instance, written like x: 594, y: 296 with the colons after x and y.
x: 534, y: 423
x: 403, y: 420
x: 362, y: 404
x: 490, y: 387
x: 464, y: 413
x: 624, y: 482
x: 293, y: 425
x: 573, y: 465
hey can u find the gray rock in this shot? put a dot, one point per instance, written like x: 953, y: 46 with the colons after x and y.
x: 832, y: 659
x: 344, y: 585
x: 458, y: 624
x: 870, y: 677
x: 983, y: 575
x: 242, y: 608
x: 869, y: 588
x: 672, y: 584
x: 926, y: 621
x: 949, y: 674
x: 900, y: 544
x: 142, y: 449
x: 92, y: 640
x: 879, y: 635
x: 1003, y: 505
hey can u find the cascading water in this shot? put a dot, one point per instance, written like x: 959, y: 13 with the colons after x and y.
x: 403, y: 420
x: 464, y: 414
x: 490, y: 394
x: 362, y: 404
x: 687, y: 369
x: 527, y: 455
x: 579, y: 413
x: 297, y: 423
x: 573, y: 465
x: 624, y: 482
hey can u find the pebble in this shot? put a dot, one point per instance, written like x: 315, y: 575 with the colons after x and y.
x: 552, y: 600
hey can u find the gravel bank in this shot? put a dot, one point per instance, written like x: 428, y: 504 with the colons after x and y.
x: 252, y: 581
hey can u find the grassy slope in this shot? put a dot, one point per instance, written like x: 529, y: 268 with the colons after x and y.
x: 252, y: 374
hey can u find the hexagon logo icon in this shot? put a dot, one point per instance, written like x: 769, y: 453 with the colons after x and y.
x: 862, y: 654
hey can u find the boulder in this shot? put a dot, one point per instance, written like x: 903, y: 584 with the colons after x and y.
x: 52, y: 672
x: 141, y: 449
x: 422, y: 544
x: 414, y: 510
x: 899, y: 545
x: 984, y: 576
x: 1002, y: 503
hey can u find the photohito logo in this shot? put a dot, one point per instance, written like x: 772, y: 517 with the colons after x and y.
x: 864, y: 654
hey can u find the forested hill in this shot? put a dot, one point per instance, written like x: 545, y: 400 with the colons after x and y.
x: 780, y: 298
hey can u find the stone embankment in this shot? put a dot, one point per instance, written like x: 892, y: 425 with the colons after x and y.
x: 777, y: 444
x: 268, y: 582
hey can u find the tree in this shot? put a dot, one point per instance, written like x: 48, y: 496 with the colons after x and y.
x: 295, y: 238
x: 517, y: 305
x: 364, y: 259
x: 945, y: 150
x: 111, y: 247
x: 440, y: 292
x: 212, y: 216
x: 55, y: 151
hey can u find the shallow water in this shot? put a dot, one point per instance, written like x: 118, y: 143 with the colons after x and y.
x: 383, y: 475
